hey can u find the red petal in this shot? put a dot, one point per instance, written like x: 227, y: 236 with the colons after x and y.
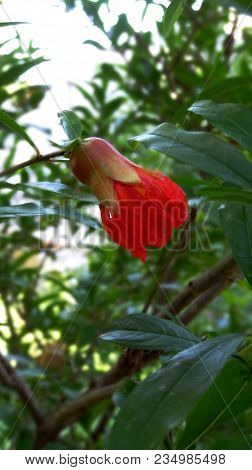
x: 148, y: 212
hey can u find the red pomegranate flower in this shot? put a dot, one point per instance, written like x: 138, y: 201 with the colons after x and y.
x: 139, y: 208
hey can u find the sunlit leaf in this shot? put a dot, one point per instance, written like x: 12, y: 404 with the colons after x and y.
x: 172, y: 14
x: 9, y: 122
x: 71, y: 124
x: 15, y: 71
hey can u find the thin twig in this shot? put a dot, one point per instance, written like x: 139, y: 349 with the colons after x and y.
x: 33, y: 161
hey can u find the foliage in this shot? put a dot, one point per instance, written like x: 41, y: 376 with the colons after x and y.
x: 178, y: 100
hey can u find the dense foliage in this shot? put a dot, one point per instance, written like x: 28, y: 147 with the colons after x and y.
x: 179, y: 100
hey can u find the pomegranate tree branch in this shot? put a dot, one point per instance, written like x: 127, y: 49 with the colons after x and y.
x: 33, y: 161
x: 9, y: 378
x: 70, y: 412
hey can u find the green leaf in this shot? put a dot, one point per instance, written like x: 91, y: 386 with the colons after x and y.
x: 224, y: 398
x: 235, y: 89
x: 123, y: 392
x: 12, y: 23
x: 30, y: 210
x: 9, y: 122
x: 234, y: 120
x: 164, y: 399
x: 14, y: 72
x: 95, y: 44
x: 236, y: 223
x: 71, y: 124
x: 226, y: 193
x: 53, y: 188
x: 172, y: 14
x: 147, y: 332
x: 202, y: 150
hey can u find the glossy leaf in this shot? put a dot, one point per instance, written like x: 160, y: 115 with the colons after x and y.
x: 202, y: 150
x: 233, y: 119
x: 166, y: 397
x: 148, y: 332
x: 236, y: 222
x: 71, y: 124
x: 9, y: 122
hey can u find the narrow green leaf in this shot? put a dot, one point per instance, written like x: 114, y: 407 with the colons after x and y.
x: 233, y: 119
x: 202, y: 150
x: 53, y: 188
x: 172, y: 14
x: 147, y: 332
x: 9, y: 122
x: 95, y: 44
x: 164, y: 399
x: 71, y: 124
x: 230, y: 393
x: 226, y: 193
x: 30, y: 210
x: 12, y: 23
x: 236, y: 223
x: 13, y: 73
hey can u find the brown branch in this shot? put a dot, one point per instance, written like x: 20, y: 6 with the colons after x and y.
x: 204, y: 299
x: 226, y: 268
x: 9, y: 378
x: 71, y: 412
x: 229, y: 41
x: 33, y: 161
